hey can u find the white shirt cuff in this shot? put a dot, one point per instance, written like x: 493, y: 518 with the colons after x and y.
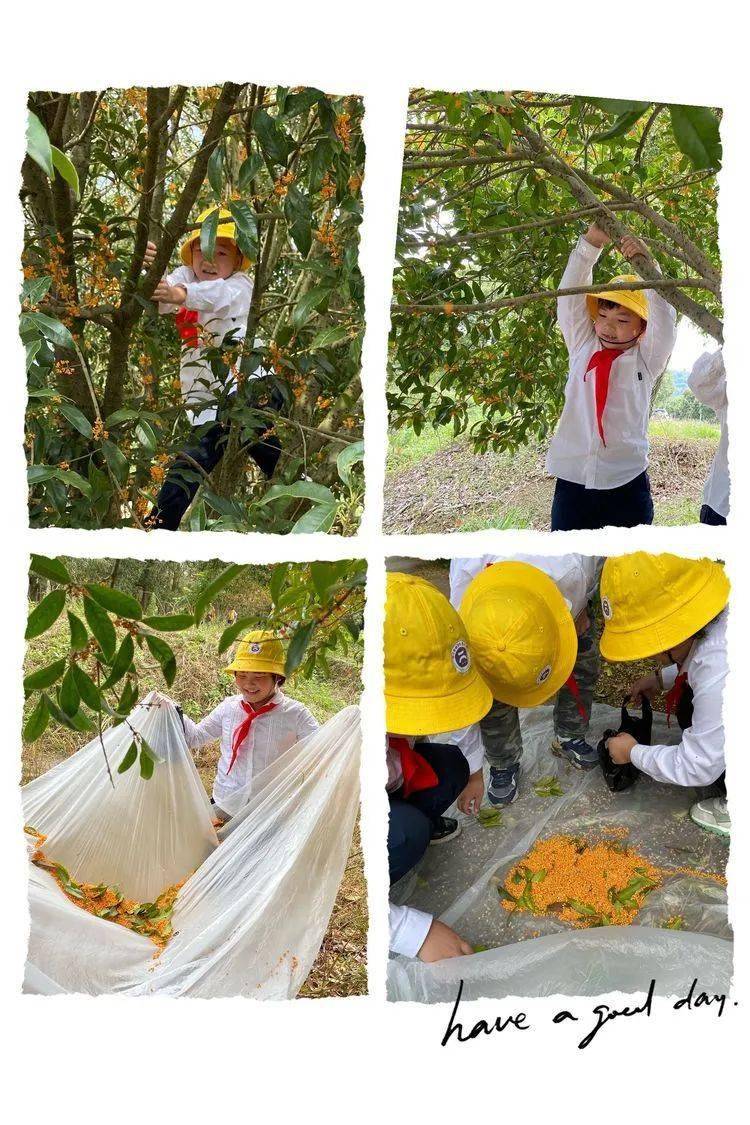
x: 409, y: 928
x: 588, y: 250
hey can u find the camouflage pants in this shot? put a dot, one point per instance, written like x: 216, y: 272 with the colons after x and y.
x: 501, y: 729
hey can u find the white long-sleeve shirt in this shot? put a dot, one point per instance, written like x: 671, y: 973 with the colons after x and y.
x: 223, y: 306
x: 576, y: 452
x: 708, y: 382
x: 270, y: 736
x: 575, y: 576
x: 409, y: 928
x: 698, y: 759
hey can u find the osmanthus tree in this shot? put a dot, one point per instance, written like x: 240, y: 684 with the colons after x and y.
x: 317, y: 607
x: 496, y: 189
x: 108, y: 171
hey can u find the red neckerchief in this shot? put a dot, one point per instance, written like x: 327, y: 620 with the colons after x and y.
x: 674, y: 695
x: 417, y: 771
x: 242, y: 730
x: 572, y: 686
x: 187, y: 326
x: 601, y: 364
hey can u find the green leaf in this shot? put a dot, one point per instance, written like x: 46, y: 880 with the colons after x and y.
x: 115, y: 601
x: 118, y: 463
x: 53, y: 569
x: 38, y: 146
x: 273, y: 140
x: 246, y: 228
x: 44, y: 677
x: 348, y: 458
x: 76, y: 417
x: 308, y: 303
x: 53, y: 330
x: 319, y: 518
x: 146, y: 436
x: 66, y: 170
x: 300, y: 490
x: 87, y: 689
x: 171, y: 623
x: 298, y: 647
x: 615, y: 106
x: 215, y: 168
x: 214, y: 587
x: 329, y: 336
x: 623, y: 123
x: 166, y: 658
x: 301, y: 101
x: 36, y: 724
x: 696, y: 130
x: 130, y: 756
x: 278, y: 576
x: 490, y: 817
x: 232, y: 632
x: 123, y: 661
x: 45, y: 614
x: 298, y: 213
x: 101, y: 626
x: 248, y: 171
x: 73, y: 480
x: 79, y: 638
x: 146, y: 764
x: 209, y: 227
x: 128, y: 698
x: 69, y: 697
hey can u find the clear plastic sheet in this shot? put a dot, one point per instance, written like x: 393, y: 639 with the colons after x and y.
x: 537, y: 956
x: 249, y: 921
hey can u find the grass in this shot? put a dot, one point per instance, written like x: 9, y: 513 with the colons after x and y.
x: 340, y: 968
x: 436, y: 483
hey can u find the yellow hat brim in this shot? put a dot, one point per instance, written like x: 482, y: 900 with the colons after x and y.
x: 635, y: 300
x: 421, y: 715
x: 251, y: 664
x: 639, y: 644
x: 540, y: 584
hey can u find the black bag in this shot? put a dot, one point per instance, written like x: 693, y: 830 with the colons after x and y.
x: 619, y: 778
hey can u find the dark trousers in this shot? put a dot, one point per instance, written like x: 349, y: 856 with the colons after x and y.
x: 575, y: 508
x: 411, y: 818
x: 183, y: 479
x: 709, y: 516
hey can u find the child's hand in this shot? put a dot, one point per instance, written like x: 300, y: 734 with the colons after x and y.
x: 596, y: 236
x: 169, y: 294
x: 647, y: 687
x: 630, y: 247
x: 471, y: 797
x: 620, y: 747
x: 441, y: 942
x: 150, y: 254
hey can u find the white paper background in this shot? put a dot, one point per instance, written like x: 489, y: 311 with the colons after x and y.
x: 357, y: 1058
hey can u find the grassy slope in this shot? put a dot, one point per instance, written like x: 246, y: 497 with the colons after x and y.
x: 340, y: 968
x: 436, y: 483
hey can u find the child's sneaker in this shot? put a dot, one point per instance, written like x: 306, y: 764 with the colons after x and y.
x: 443, y: 829
x: 503, y: 786
x: 576, y: 751
x: 712, y: 815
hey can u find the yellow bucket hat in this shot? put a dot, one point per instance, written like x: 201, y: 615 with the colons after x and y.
x: 651, y: 603
x: 431, y: 683
x: 258, y: 651
x: 521, y: 632
x: 224, y: 230
x: 633, y: 299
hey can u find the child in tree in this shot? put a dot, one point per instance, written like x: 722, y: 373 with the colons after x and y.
x: 431, y: 684
x: 532, y: 638
x: 211, y: 302
x: 708, y: 382
x: 619, y: 343
x: 675, y: 610
x: 256, y: 726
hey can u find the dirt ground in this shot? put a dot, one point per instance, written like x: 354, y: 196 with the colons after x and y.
x: 454, y: 489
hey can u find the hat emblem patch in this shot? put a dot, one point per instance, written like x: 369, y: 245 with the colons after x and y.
x: 545, y: 674
x: 607, y: 608
x: 460, y: 657
x: 255, y: 647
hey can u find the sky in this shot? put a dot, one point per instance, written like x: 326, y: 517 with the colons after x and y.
x: 691, y: 343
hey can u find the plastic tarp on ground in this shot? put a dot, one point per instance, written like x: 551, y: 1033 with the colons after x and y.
x: 250, y: 918
x: 541, y: 956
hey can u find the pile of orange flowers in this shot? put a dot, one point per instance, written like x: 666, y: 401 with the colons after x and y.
x: 600, y: 883
x: 150, y: 919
